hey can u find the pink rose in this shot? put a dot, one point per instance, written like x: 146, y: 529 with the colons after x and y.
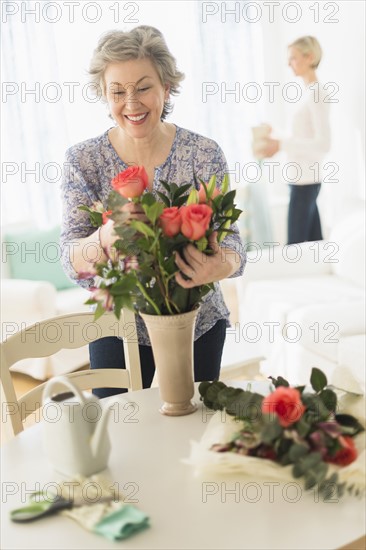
x: 131, y: 182
x: 170, y: 221
x: 195, y: 220
x: 103, y: 296
x: 202, y: 197
x: 286, y: 404
x: 105, y: 216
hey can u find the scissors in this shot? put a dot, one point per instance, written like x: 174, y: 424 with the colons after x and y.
x: 41, y: 505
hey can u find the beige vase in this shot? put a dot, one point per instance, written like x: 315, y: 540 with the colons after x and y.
x: 171, y: 339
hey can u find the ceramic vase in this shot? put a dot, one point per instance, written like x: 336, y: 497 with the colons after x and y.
x: 171, y: 339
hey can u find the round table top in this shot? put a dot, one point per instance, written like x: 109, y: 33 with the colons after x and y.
x: 185, y: 510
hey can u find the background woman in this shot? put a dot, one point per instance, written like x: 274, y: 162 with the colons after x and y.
x: 136, y: 74
x: 308, y: 143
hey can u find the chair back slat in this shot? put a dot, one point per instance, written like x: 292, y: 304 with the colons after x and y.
x: 71, y: 331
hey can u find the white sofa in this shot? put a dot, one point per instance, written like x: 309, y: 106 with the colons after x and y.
x: 304, y: 305
x: 26, y: 300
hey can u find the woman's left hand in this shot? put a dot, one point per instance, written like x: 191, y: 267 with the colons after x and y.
x: 201, y: 268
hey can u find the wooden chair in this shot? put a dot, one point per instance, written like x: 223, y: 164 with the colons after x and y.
x: 47, y: 337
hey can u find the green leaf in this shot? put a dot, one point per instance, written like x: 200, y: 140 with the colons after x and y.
x: 166, y: 185
x: 148, y: 199
x: 350, y: 422
x: 271, y: 431
x: 164, y: 198
x: 279, y: 381
x: 297, y: 451
x: 116, y: 201
x: 228, y: 200
x: 99, y: 311
x: 181, y: 190
x: 316, y: 410
x: 318, y: 379
x: 154, y: 211
x: 202, y: 244
x: 180, y: 201
x: 303, y: 427
x: 306, y: 463
x: 310, y: 480
x: 329, y: 399
x: 225, y: 184
x: 96, y: 218
x: 143, y: 228
x: 193, y: 197
x: 211, y: 185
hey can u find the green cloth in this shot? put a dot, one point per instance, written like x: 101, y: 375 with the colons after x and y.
x: 122, y: 523
x: 34, y: 254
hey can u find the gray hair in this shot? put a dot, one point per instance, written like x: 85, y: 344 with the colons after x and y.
x: 309, y: 44
x: 139, y: 43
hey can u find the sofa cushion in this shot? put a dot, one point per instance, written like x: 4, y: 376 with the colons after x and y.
x: 35, y: 255
x: 72, y: 300
x: 349, y: 236
x: 325, y: 326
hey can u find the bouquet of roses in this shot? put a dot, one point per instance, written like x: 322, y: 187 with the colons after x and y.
x: 140, y: 270
x: 290, y: 426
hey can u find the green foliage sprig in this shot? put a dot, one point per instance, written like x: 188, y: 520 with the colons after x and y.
x: 314, y: 436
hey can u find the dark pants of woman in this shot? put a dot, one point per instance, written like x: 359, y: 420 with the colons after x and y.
x: 303, y: 215
x: 108, y: 353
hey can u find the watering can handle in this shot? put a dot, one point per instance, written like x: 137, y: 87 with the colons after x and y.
x: 47, y: 392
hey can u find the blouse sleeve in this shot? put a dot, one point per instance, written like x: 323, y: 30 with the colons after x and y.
x: 75, y: 223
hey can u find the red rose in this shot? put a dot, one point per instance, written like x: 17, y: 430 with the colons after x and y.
x: 131, y: 182
x: 345, y: 455
x: 286, y: 404
x: 195, y: 220
x: 170, y: 221
x: 105, y: 216
x: 202, y: 197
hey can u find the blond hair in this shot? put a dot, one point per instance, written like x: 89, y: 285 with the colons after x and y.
x: 139, y: 43
x: 309, y: 44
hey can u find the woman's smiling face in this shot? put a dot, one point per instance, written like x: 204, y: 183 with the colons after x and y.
x: 135, y: 96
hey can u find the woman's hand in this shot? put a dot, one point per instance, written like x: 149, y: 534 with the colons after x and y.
x: 270, y: 148
x: 135, y: 211
x: 107, y: 235
x: 201, y: 268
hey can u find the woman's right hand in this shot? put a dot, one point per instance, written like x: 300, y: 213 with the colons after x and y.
x: 135, y: 211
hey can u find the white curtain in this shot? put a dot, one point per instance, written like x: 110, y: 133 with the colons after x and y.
x: 33, y: 121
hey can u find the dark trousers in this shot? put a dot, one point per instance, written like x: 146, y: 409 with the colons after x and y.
x: 108, y: 353
x: 303, y: 215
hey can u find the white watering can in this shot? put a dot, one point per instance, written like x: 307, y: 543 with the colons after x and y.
x: 75, y: 435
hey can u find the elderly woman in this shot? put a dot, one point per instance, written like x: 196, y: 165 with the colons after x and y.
x: 137, y: 75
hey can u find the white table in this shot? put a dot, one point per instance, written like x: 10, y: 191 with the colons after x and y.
x: 185, y: 511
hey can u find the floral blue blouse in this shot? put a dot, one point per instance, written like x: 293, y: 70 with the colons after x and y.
x: 88, y: 170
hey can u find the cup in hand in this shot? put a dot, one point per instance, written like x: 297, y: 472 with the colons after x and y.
x: 260, y: 134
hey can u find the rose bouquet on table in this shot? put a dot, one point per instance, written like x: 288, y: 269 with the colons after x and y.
x: 291, y: 426
x: 140, y: 269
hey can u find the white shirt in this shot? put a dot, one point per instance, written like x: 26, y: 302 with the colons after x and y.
x: 309, y: 139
